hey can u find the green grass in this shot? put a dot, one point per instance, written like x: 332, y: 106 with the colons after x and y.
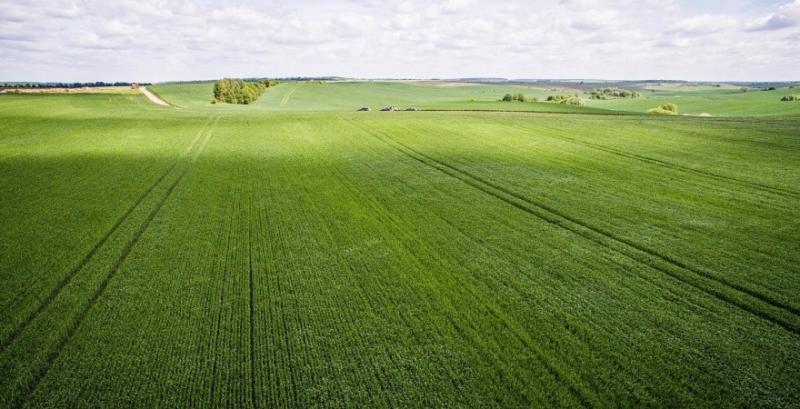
x: 215, y: 256
x: 351, y: 95
x: 717, y: 102
x: 347, y: 95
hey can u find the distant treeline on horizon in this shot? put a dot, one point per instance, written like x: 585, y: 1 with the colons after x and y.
x: 68, y: 84
x: 256, y: 79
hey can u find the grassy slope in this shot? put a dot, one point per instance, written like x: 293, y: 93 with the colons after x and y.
x: 413, y: 259
x: 349, y: 96
x: 186, y: 95
x: 717, y: 102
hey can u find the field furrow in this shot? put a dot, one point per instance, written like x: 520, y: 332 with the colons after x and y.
x: 59, y: 320
x: 759, y: 304
x: 9, y: 338
x: 254, y: 257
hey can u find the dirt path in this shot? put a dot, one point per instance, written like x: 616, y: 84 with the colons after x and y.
x: 153, y: 97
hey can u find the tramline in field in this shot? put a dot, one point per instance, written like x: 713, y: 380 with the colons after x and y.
x: 294, y: 252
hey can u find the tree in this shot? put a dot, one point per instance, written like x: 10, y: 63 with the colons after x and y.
x: 236, y: 91
x: 565, y: 99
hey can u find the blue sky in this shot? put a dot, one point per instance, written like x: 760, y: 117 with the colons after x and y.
x: 158, y: 40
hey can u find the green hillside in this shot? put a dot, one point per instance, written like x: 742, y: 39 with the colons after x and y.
x: 352, y: 95
x: 716, y: 102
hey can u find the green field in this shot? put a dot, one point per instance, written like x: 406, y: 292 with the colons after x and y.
x: 352, y: 95
x: 716, y: 102
x: 295, y: 253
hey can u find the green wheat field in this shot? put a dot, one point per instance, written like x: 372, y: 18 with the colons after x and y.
x: 474, y: 253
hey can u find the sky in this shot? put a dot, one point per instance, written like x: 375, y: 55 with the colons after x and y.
x: 163, y: 40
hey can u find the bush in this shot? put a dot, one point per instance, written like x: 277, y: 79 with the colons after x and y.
x: 565, y: 99
x: 613, y: 93
x: 517, y: 97
x: 789, y: 98
x: 667, y: 109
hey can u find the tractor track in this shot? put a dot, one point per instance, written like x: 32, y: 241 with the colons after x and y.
x: 55, y: 352
x: 11, y: 337
x: 674, y: 166
x: 746, y: 300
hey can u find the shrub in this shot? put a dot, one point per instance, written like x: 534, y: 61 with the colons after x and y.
x: 613, y: 93
x: 667, y: 109
x: 565, y: 99
x: 518, y: 97
x: 789, y: 98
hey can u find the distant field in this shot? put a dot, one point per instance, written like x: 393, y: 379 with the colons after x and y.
x: 724, y: 102
x: 295, y: 253
x: 689, y: 87
x: 81, y: 90
x: 349, y: 96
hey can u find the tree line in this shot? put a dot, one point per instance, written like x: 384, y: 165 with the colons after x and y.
x: 67, y: 84
x: 236, y: 91
x: 518, y: 97
x: 565, y: 99
x: 612, y: 93
x: 556, y: 99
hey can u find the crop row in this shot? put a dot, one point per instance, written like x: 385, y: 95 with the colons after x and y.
x: 315, y: 260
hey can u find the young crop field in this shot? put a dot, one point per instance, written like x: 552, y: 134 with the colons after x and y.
x: 296, y: 253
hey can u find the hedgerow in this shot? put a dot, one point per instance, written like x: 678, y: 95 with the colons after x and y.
x: 565, y: 99
x: 518, y: 97
x: 613, y: 93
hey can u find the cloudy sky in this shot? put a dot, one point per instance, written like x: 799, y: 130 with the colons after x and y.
x: 158, y: 40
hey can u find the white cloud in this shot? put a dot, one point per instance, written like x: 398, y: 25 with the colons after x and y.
x: 786, y: 16
x: 183, y: 39
x: 704, y: 24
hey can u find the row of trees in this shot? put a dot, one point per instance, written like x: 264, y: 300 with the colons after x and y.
x: 518, y: 97
x: 236, y: 91
x: 66, y: 84
x: 613, y: 93
x: 565, y: 99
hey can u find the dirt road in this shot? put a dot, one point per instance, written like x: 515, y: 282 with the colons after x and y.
x: 153, y: 97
